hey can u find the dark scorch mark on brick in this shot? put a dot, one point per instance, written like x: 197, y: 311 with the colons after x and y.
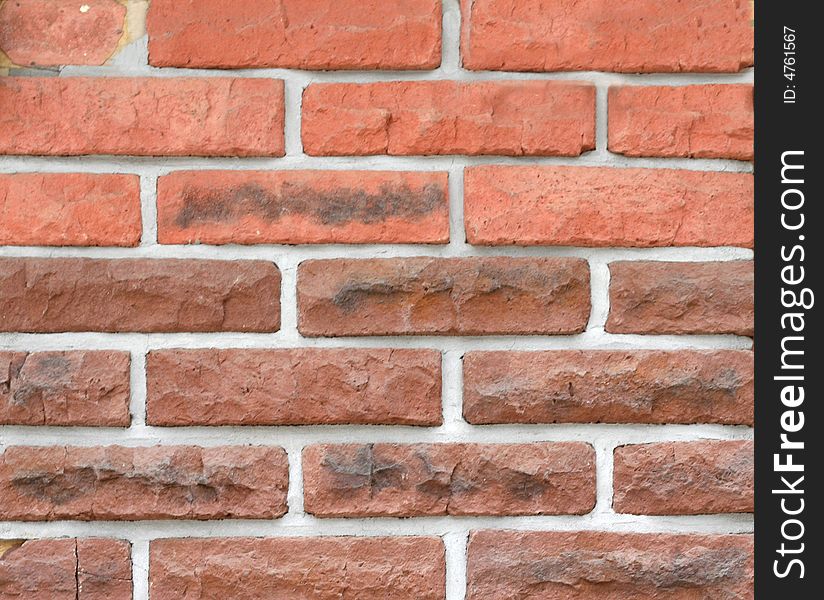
x: 71, y: 483
x: 364, y: 470
x: 334, y: 207
x: 483, y: 279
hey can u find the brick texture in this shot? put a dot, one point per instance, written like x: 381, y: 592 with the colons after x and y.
x: 684, y: 478
x: 373, y: 568
x: 150, y: 116
x: 69, y: 209
x: 161, y: 482
x: 81, y: 294
x: 699, y: 121
x: 361, y: 274
x: 350, y: 480
x: 43, y: 33
x: 471, y: 296
x: 65, y: 569
x: 600, y: 386
x: 302, y: 207
x: 645, y: 36
x: 588, y: 565
x: 670, y: 297
x: 598, y: 206
x: 511, y: 118
x: 322, y: 34
x: 64, y: 388
x: 294, y: 387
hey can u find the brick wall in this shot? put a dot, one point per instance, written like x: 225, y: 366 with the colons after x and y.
x: 377, y: 299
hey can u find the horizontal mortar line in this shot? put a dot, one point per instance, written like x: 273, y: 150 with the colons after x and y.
x: 443, y: 73
x: 305, y: 525
x: 296, y: 436
x: 161, y: 165
x: 592, y: 340
x: 299, y: 252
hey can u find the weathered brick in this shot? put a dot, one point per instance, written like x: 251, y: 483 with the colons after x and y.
x: 681, y: 297
x: 598, y: 206
x: 602, y: 386
x: 304, y: 386
x: 513, y: 118
x: 325, y: 568
x: 180, y: 116
x: 69, y: 209
x: 81, y: 294
x: 65, y: 569
x: 161, y: 482
x: 699, y: 121
x: 64, y: 388
x: 645, y: 36
x: 684, y: 478
x: 323, y: 34
x: 594, y: 565
x: 461, y: 296
x: 302, y: 207
x: 362, y: 480
x: 45, y: 33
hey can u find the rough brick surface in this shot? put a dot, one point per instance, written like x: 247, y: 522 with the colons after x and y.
x: 65, y: 569
x: 69, y: 209
x: 56, y: 32
x: 302, y: 207
x: 368, y: 568
x: 700, y: 121
x: 598, y: 206
x: 322, y: 34
x: 514, y: 118
x: 676, y: 478
x: 689, y: 297
x: 64, y: 388
x: 160, y: 482
x: 591, y: 565
x: 434, y: 296
x: 141, y: 116
x: 294, y: 387
x: 600, y: 386
x: 348, y: 480
x: 80, y: 294
x: 644, y: 36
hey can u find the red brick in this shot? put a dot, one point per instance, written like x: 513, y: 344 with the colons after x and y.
x: 69, y: 209
x: 609, y: 386
x: 302, y: 207
x: 595, y: 565
x: 303, y: 386
x: 325, y: 568
x: 697, y: 121
x: 684, y: 478
x: 437, y: 296
x: 48, y: 33
x: 159, y: 116
x: 64, y: 388
x: 161, y: 482
x: 645, y: 36
x: 366, y: 480
x: 66, y: 569
x: 44, y: 295
x: 295, y: 34
x: 513, y: 118
x: 598, y: 206
x: 687, y: 297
